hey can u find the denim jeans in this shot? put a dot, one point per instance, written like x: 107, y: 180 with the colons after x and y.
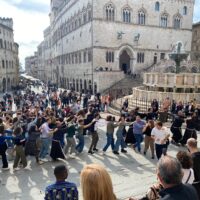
x: 45, y: 143
x: 120, y: 141
x: 139, y: 139
x: 9, y: 142
x: 80, y: 145
x: 110, y: 141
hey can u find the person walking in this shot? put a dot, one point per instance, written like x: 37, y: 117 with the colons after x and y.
x: 176, y: 128
x: 138, y: 126
x: 19, y: 142
x: 45, y: 139
x: 80, y: 136
x: 71, y: 131
x: 58, y: 141
x: 160, y: 135
x: 120, y: 139
x: 148, y: 140
x: 32, y: 146
x: 95, y: 137
x: 190, y: 131
x: 3, y: 147
x: 110, y: 127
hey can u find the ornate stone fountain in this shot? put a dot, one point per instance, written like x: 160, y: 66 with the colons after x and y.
x: 178, y: 54
x: 177, y: 86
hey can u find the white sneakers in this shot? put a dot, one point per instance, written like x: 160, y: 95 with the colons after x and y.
x: 44, y: 160
x: 5, y: 168
x: 16, y: 169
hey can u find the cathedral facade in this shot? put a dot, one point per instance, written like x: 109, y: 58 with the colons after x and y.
x: 92, y: 44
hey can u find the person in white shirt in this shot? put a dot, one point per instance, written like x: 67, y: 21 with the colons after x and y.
x: 160, y: 135
x: 186, y: 162
x: 45, y: 139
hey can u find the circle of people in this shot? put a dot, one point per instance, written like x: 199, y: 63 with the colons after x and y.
x: 55, y: 121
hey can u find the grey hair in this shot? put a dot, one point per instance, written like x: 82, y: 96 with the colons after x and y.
x: 170, y: 170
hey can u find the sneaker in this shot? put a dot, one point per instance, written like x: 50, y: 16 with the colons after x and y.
x: 40, y: 162
x: 5, y: 168
x: 95, y: 149
x: 44, y: 160
x: 16, y: 169
x: 90, y: 152
x: 116, y: 152
x: 72, y: 156
x: 27, y: 168
x: 123, y: 151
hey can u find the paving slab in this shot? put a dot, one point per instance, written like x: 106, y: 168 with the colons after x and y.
x: 131, y: 173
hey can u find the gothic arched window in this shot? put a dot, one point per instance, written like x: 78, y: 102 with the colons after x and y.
x: 126, y: 15
x: 141, y: 17
x: 157, y: 6
x: 164, y: 20
x: 110, y: 12
x: 177, y: 22
x: 185, y: 10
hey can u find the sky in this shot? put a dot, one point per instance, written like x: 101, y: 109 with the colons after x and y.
x: 31, y: 18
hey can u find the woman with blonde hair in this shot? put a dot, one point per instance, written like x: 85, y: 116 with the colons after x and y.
x: 96, y: 183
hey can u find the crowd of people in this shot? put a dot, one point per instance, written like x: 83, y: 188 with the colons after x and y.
x: 54, y: 123
x: 178, y: 178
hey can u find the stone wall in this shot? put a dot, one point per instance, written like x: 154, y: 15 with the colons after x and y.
x: 9, y: 61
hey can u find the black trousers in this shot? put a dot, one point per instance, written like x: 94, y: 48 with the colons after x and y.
x: 161, y: 149
x: 3, y: 148
x: 177, y: 134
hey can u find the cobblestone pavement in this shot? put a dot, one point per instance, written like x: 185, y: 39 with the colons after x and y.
x: 131, y: 173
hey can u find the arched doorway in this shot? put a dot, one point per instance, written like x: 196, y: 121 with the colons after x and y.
x: 126, y: 59
x: 125, y: 62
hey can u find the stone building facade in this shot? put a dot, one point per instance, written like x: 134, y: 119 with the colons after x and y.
x: 91, y: 44
x: 9, y: 61
x: 31, y: 65
x: 196, y: 42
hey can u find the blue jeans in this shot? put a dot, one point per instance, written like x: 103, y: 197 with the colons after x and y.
x: 120, y: 141
x: 139, y: 139
x: 45, y: 143
x: 80, y: 145
x: 9, y: 142
x: 110, y: 141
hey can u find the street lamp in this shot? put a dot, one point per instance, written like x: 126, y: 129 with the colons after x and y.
x: 92, y: 38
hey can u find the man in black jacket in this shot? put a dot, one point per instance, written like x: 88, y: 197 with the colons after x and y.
x: 169, y: 173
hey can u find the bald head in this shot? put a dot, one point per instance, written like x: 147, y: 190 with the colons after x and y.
x: 169, y: 171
